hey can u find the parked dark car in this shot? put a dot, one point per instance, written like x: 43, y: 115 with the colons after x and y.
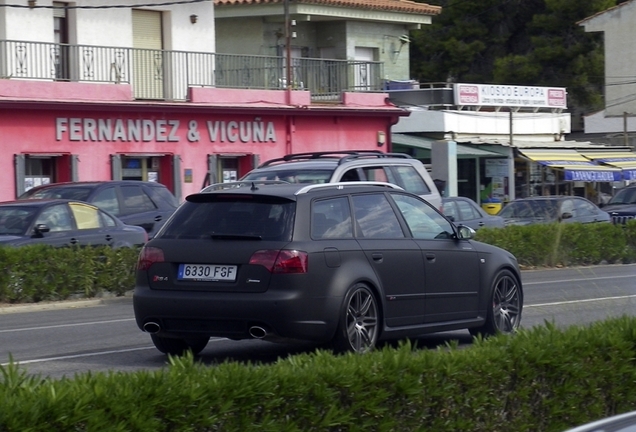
x: 145, y: 204
x: 61, y: 222
x: 622, y: 206
x: 346, y: 264
x: 549, y: 209
x: 467, y: 212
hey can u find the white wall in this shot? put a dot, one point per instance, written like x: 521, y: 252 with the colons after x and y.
x: 620, y: 56
x: 483, y: 123
x: 113, y: 27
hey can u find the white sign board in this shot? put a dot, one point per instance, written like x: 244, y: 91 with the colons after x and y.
x: 510, y: 96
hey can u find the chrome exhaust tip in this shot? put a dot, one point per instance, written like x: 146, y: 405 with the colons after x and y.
x: 151, y: 327
x: 257, y: 332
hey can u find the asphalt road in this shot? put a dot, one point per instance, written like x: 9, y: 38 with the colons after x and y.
x: 66, y: 338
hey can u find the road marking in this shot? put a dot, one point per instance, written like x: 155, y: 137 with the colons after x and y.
x: 576, y: 280
x: 68, y: 357
x: 579, y: 301
x: 66, y: 325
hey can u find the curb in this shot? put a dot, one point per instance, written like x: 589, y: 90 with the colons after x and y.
x: 65, y: 304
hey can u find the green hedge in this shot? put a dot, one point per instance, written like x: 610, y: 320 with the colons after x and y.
x: 41, y: 273
x: 542, y: 379
x: 565, y: 244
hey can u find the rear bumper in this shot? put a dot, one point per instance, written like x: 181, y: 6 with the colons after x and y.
x: 283, y: 314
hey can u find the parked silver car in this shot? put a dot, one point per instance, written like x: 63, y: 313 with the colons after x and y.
x: 549, y: 209
x: 467, y: 212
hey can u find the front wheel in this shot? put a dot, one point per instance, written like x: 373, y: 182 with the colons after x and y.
x: 504, y: 311
x: 178, y: 347
x: 359, y: 324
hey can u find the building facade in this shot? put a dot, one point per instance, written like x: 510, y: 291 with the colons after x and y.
x: 132, y: 91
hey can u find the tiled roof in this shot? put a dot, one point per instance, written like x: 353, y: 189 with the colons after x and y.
x: 386, y: 5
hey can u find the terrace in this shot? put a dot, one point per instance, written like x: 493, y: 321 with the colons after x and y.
x: 167, y: 75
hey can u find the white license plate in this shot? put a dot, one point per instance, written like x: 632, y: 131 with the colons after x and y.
x: 206, y: 272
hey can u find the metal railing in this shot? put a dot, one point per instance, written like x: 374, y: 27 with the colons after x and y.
x: 166, y: 75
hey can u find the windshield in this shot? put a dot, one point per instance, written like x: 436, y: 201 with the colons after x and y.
x: 624, y: 196
x: 75, y: 193
x: 539, y: 209
x: 292, y: 176
x: 16, y: 220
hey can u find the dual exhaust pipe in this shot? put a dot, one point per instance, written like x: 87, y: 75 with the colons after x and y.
x: 257, y: 332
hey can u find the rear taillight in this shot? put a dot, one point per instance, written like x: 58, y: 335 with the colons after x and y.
x: 149, y: 256
x: 281, y: 261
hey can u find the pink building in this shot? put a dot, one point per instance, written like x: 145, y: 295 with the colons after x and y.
x: 65, y: 131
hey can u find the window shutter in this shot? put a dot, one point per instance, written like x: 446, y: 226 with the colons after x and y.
x: 176, y: 177
x: 74, y: 162
x: 213, y: 169
x: 19, y: 174
x: 115, y: 167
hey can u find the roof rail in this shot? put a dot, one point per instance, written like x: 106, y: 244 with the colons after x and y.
x: 239, y: 184
x: 341, y: 185
x: 368, y: 156
x: 324, y: 154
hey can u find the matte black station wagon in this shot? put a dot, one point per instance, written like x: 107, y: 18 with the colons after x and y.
x: 346, y: 264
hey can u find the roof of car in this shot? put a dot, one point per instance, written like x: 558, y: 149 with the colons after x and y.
x: 94, y: 183
x: 40, y: 202
x: 331, y: 157
x: 285, y: 190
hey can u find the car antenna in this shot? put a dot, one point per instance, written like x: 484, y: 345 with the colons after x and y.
x: 253, y: 187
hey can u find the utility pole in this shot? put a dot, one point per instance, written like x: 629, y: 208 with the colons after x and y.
x: 288, y: 74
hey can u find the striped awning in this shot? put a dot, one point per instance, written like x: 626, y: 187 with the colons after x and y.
x: 575, y: 165
x: 624, y: 160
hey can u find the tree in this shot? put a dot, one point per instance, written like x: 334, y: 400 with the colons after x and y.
x: 514, y: 42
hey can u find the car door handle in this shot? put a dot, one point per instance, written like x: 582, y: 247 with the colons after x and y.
x: 158, y: 218
x: 430, y: 256
x: 73, y: 240
x: 109, y: 237
x: 377, y: 257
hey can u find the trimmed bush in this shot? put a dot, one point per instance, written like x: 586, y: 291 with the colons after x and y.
x: 542, y: 379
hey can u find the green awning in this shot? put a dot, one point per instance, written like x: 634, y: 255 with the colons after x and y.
x: 426, y: 143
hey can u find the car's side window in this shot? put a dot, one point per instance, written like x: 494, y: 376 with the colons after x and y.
x: 567, y: 206
x: 375, y: 174
x: 411, y: 180
x: 331, y: 218
x: 375, y: 217
x: 423, y: 221
x: 107, y: 199
x: 86, y: 217
x: 57, y: 218
x: 136, y: 200
x: 450, y: 210
x: 466, y: 211
x: 584, y: 208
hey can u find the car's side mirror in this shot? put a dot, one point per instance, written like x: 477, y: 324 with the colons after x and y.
x: 465, y: 232
x: 41, y: 229
x: 566, y: 215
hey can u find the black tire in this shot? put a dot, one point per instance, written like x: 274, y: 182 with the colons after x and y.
x: 504, y: 310
x: 178, y: 347
x: 359, y: 324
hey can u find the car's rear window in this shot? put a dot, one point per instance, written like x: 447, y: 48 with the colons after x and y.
x: 263, y: 218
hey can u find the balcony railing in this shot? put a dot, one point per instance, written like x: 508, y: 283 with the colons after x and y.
x: 166, y: 75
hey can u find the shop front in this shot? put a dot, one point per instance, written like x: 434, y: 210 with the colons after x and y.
x: 542, y: 171
x: 180, y: 145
